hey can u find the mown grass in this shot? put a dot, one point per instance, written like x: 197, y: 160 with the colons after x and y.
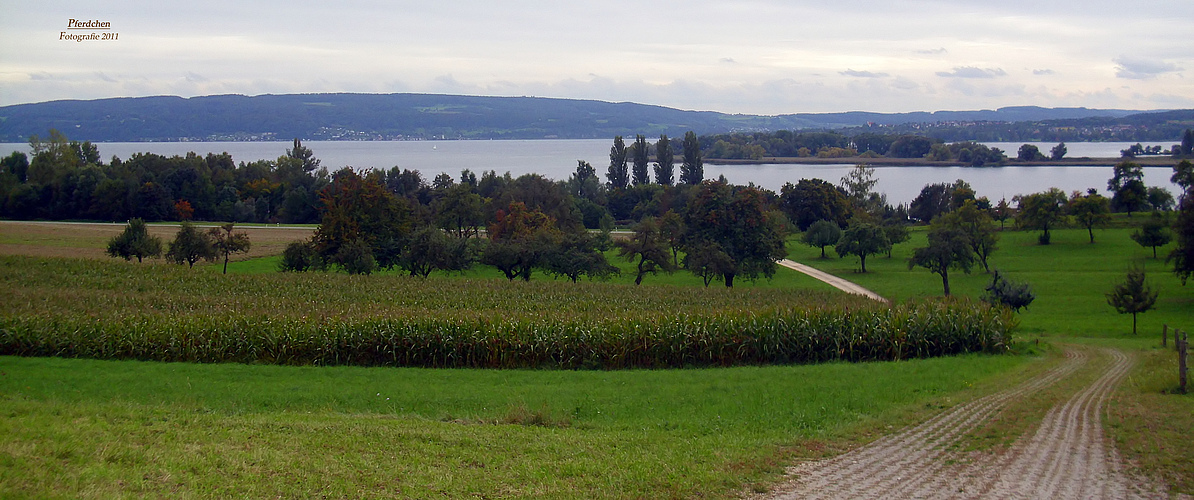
x: 98, y: 429
x: 1070, y: 278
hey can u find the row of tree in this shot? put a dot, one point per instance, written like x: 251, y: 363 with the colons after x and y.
x: 190, y: 245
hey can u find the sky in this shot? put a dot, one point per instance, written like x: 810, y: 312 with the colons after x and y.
x: 757, y: 57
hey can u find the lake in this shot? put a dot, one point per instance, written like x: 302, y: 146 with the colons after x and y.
x: 556, y: 159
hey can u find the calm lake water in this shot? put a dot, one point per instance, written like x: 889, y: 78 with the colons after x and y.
x: 556, y: 159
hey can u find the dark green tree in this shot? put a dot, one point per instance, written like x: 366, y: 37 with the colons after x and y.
x: 225, y: 242
x: 665, y: 165
x: 578, y: 254
x: 1029, y: 152
x: 299, y: 256
x: 979, y: 229
x: 1127, y: 187
x: 641, y: 156
x: 189, y: 245
x: 821, y: 234
x: 671, y: 227
x: 708, y: 261
x: 303, y: 154
x: 1153, y: 233
x: 1042, y: 211
x: 737, y: 220
x: 1058, y: 152
x: 460, y: 210
x: 356, y: 207
x: 135, y: 241
x: 692, y: 172
x: 1160, y: 199
x: 1183, y: 175
x: 519, y: 240
x: 1090, y: 211
x: 618, y: 176
x: 862, y: 239
x: 1133, y: 296
x: 430, y: 249
x: 648, y: 246
x: 1187, y: 147
x: 1182, y: 257
x: 896, y: 232
x: 949, y: 248
x: 355, y: 257
x: 811, y: 200
x: 1008, y: 293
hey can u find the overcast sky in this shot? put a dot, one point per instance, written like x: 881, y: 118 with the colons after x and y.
x: 763, y: 56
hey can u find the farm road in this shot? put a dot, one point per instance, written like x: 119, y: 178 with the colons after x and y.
x: 836, y: 282
x: 1067, y: 457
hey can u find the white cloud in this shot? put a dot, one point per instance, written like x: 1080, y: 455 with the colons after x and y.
x: 1136, y: 68
x: 972, y: 72
x: 864, y: 74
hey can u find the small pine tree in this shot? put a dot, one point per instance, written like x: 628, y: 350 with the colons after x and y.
x: 1005, y: 292
x: 1133, y: 295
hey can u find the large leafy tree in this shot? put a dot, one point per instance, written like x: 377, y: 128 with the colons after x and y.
x: 1090, y: 211
x: 190, y: 245
x: 460, y: 210
x: 649, y: 247
x: 1182, y: 257
x: 519, y: 240
x: 665, y: 163
x: 225, y: 242
x: 578, y: 254
x: 811, y: 200
x: 1127, y: 187
x: 618, y: 175
x: 979, y: 229
x: 135, y: 241
x: 862, y: 239
x: 1042, y: 211
x: 430, y: 249
x: 1133, y: 296
x: 641, y: 157
x: 693, y: 170
x: 361, y: 208
x: 949, y: 248
x: 737, y: 220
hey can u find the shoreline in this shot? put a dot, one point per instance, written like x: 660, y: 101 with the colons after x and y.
x: 1166, y: 161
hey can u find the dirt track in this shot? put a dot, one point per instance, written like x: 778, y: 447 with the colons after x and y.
x: 1067, y: 457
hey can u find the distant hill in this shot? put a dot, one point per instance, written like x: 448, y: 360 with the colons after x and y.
x: 432, y: 116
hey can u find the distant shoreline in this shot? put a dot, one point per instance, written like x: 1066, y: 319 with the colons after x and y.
x: 1153, y: 161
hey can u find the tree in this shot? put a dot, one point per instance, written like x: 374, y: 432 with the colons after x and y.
x: 822, y: 234
x: 1003, y: 211
x: 1090, y: 210
x: 190, y: 245
x: 1159, y: 199
x: 859, y: 185
x: 135, y: 241
x: 671, y: 227
x: 578, y: 254
x: 1042, y: 211
x: 299, y: 256
x: 1008, y: 293
x: 1029, y: 152
x: 460, y: 210
x: 979, y: 229
x: 664, y: 162
x: 1183, y: 176
x: 355, y: 257
x: 430, y: 249
x: 1187, y: 147
x: 618, y: 176
x: 811, y: 200
x: 737, y: 220
x: 641, y: 159
x: 362, y: 208
x: 896, y: 232
x: 1153, y: 233
x: 933, y: 200
x: 708, y: 261
x: 519, y: 240
x: 862, y: 239
x: 692, y: 172
x: 1183, y: 256
x: 949, y: 248
x: 303, y: 154
x: 1127, y: 186
x: 225, y: 242
x: 1133, y: 295
x: 1058, y: 152
x: 647, y: 246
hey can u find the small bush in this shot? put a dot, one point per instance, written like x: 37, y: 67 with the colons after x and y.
x: 1005, y: 292
x: 299, y: 256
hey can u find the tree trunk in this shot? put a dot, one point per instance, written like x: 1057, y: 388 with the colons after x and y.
x: 638, y: 280
x: 1133, y: 323
x: 729, y: 280
x: 1091, y: 231
x: 225, y: 262
x: 863, y: 259
x: 945, y: 281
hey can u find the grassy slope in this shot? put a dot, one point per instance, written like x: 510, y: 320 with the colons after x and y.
x: 98, y: 429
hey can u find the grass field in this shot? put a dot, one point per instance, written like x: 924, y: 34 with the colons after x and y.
x: 90, y: 240
x: 99, y: 429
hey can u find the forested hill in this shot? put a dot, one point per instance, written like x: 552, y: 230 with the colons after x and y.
x: 433, y: 116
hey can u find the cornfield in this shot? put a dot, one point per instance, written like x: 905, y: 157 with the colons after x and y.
x: 116, y: 310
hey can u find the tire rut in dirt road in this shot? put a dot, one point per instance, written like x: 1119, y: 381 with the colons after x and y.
x: 1066, y: 458
x: 871, y: 471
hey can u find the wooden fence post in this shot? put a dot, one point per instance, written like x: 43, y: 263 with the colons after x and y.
x: 1165, y: 334
x: 1182, y: 346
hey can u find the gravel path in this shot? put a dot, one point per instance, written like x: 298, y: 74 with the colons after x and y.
x: 839, y: 283
x: 1067, y: 457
